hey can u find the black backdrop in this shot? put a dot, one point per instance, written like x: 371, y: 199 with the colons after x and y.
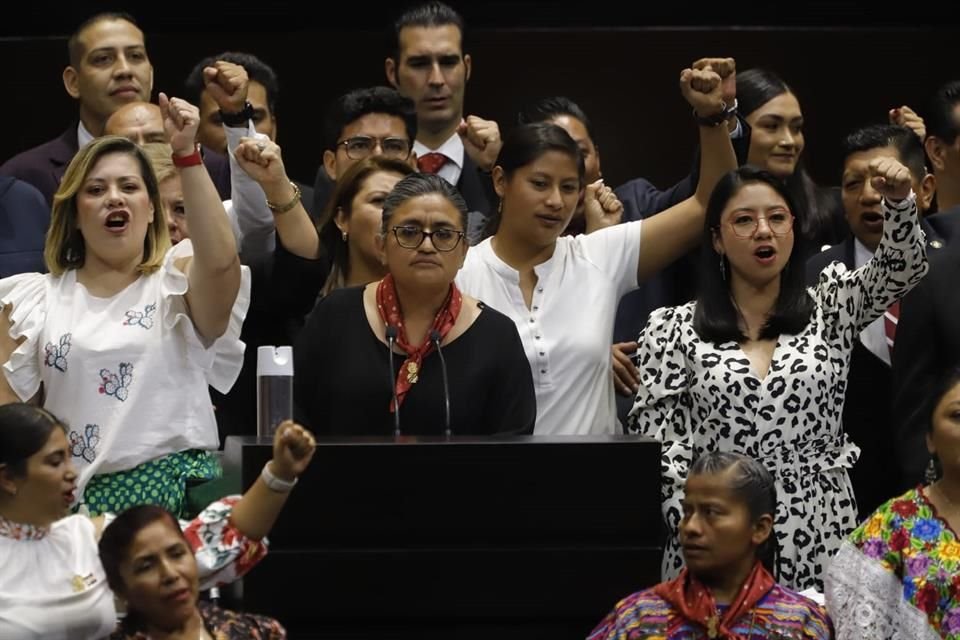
x: 848, y: 66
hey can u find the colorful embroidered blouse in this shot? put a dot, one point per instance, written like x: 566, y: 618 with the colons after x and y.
x: 898, y: 575
x: 222, y: 625
x: 780, y: 614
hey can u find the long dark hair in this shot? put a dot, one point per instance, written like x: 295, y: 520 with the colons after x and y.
x: 946, y: 381
x: 527, y: 142
x: 716, y: 318
x: 752, y: 483
x: 24, y: 429
x: 943, y: 383
x: 821, y: 224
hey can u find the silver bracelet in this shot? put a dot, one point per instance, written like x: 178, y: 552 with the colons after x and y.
x: 274, y: 483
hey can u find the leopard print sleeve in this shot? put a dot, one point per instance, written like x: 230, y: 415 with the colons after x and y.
x: 851, y: 300
x: 662, y: 408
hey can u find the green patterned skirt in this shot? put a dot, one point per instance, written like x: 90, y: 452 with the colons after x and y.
x: 165, y: 482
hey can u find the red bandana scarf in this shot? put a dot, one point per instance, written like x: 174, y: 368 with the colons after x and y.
x: 389, y: 309
x: 696, y: 604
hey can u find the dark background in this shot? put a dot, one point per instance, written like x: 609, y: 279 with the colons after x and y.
x: 847, y: 63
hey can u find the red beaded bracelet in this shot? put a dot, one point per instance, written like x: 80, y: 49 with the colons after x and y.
x: 191, y: 160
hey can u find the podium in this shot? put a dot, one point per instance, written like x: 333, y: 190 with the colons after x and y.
x: 467, y: 538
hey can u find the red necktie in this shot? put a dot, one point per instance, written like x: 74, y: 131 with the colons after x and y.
x: 890, y: 318
x: 431, y: 162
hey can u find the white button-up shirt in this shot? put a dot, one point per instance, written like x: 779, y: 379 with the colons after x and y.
x: 567, y: 330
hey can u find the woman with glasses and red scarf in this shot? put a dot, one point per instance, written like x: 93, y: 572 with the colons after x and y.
x: 758, y: 363
x: 410, y: 354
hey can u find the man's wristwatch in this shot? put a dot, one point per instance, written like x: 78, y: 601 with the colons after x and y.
x: 239, y: 119
x: 718, y: 118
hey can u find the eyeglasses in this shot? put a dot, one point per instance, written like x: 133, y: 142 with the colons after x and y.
x: 744, y: 225
x: 410, y: 237
x: 359, y: 147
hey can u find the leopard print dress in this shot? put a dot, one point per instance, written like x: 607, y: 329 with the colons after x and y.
x: 697, y: 396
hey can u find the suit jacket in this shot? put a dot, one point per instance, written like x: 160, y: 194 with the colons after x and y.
x: 323, y: 188
x: 868, y: 410
x: 946, y: 223
x: 927, y: 345
x: 43, y: 166
x: 677, y: 283
x: 477, y: 190
x: 24, y: 218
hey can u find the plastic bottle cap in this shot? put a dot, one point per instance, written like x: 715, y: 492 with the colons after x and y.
x: 274, y: 361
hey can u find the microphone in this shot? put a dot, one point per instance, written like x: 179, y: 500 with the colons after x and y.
x: 435, y: 338
x: 391, y: 339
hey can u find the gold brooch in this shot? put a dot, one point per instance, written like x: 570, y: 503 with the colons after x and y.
x: 712, y: 623
x: 412, y: 371
x: 81, y: 583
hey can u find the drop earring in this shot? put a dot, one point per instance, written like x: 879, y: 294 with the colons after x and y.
x: 930, y: 475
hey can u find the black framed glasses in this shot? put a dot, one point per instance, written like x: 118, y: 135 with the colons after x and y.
x: 410, y: 237
x: 744, y: 225
x: 359, y: 147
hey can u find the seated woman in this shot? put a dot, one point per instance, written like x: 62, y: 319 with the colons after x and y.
x: 899, y: 572
x: 126, y: 334
x: 727, y: 589
x: 409, y: 353
x: 758, y: 363
x: 52, y: 584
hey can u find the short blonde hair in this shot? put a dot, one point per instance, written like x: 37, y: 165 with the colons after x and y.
x: 65, y: 247
x: 160, y: 155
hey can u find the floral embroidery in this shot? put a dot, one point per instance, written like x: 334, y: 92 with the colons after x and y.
x: 222, y: 624
x: 20, y: 531
x: 56, y: 355
x: 217, y: 543
x: 141, y: 318
x: 117, y: 384
x: 908, y: 538
x: 85, y: 446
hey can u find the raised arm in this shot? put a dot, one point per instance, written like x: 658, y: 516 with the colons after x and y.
x: 227, y: 537
x: 856, y: 298
x: 262, y: 161
x: 669, y: 235
x: 213, y: 272
x: 257, y: 510
x: 228, y: 85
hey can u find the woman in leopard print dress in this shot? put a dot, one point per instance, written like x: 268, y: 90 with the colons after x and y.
x: 758, y: 363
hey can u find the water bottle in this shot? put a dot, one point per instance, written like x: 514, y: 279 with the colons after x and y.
x: 274, y: 388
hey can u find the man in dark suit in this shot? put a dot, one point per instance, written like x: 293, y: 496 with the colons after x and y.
x: 24, y: 218
x: 258, y: 106
x: 927, y: 347
x: 108, y: 68
x: 943, y: 150
x: 867, y: 410
x: 429, y: 67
